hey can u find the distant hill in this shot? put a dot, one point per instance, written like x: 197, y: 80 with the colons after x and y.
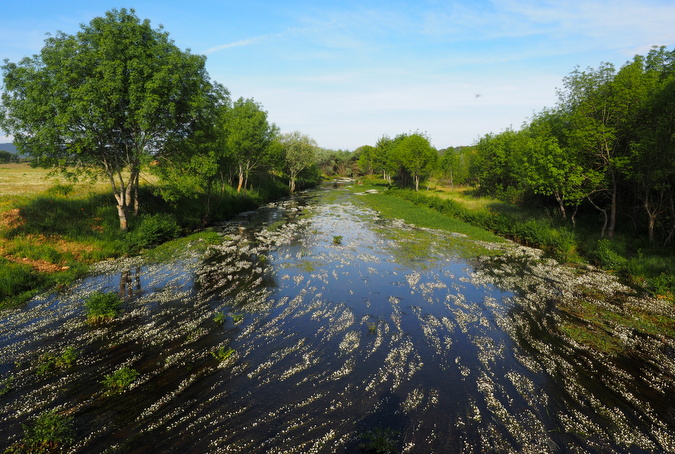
x: 8, y: 147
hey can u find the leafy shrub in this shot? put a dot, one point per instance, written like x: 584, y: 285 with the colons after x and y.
x: 605, y: 256
x: 153, y: 230
x: 120, y: 380
x: 102, y: 306
x: 663, y: 285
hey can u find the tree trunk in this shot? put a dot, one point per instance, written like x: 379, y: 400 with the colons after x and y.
x: 137, y: 202
x: 612, y: 209
x: 561, y: 204
x: 241, y: 178
x: 417, y: 183
x: 291, y: 184
x: 604, y: 215
x: 122, y: 213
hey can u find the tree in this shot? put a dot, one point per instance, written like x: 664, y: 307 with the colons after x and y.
x: 300, y: 154
x: 601, y: 104
x: 494, y: 165
x: 366, y: 159
x: 653, y: 153
x: 547, y: 168
x: 416, y: 155
x: 194, y: 164
x: 248, y: 137
x: 105, y: 100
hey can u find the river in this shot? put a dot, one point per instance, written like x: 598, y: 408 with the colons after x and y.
x: 346, y: 332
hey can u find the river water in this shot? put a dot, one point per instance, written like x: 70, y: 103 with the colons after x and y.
x: 346, y: 330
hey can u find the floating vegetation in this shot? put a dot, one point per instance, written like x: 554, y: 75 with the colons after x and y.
x: 49, y: 362
x: 379, y: 440
x: 102, y: 307
x: 50, y: 432
x: 503, y: 352
x: 222, y: 354
x: 120, y: 380
x: 219, y: 318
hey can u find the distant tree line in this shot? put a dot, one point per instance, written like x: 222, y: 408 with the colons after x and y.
x: 119, y: 96
x: 7, y: 157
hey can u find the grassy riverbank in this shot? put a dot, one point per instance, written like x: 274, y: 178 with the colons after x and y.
x: 51, y: 230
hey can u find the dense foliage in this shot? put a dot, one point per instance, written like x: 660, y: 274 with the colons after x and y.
x: 608, y: 144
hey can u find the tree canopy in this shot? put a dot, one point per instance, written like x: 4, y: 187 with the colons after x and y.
x: 299, y: 154
x: 107, y: 99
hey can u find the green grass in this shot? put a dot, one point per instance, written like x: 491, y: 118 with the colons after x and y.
x: 593, y: 325
x: 392, y: 206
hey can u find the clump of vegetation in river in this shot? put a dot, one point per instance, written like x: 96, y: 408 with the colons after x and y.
x: 380, y: 441
x: 49, y: 361
x: 219, y: 318
x: 223, y: 354
x: 50, y: 432
x: 6, y: 385
x: 102, y: 307
x: 237, y: 318
x: 337, y: 239
x: 120, y: 380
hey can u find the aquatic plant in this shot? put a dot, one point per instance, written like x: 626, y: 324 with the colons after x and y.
x: 380, y: 441
x: 237, y: 318
x: 120, y: 380
x: 49, y: 433
x: 6, y: 385
x: 219, y: 318
x: 222, y: 354
x: 48, y: 361
x: 337, y: 239
x: 102, y: 306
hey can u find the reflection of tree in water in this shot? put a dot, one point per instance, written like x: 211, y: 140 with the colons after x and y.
x: 130, y: 282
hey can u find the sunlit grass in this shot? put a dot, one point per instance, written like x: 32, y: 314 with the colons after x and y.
x: 395, y: 207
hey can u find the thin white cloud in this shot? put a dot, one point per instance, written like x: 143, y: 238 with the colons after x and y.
x: 240, y: 43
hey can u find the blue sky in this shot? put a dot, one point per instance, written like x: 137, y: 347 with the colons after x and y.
x: 349, y: 72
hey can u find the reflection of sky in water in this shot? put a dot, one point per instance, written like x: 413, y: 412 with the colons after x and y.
x: 390, y: 328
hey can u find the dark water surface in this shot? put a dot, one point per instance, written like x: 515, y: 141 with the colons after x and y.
x: 391, y: 330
